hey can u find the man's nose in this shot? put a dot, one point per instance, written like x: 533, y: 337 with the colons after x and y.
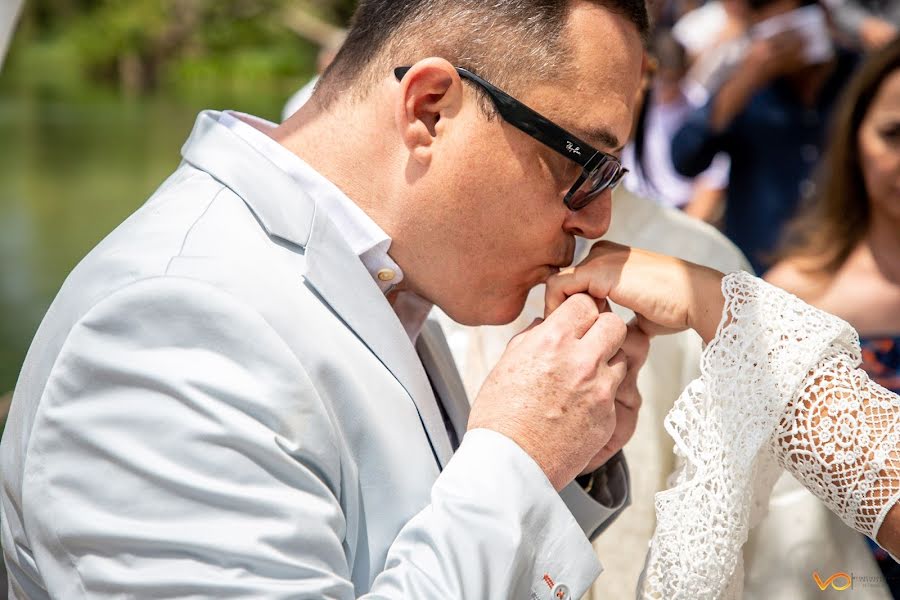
x: 592, y: 221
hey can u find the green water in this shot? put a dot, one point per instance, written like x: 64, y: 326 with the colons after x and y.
x: 72, y: 167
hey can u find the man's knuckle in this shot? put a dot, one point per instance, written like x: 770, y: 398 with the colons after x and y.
x: 605, y: 395
x: 553, y: 338
x: 637, y: 400
x: 613, y: 324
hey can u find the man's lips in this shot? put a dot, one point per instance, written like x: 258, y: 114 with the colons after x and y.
x: 556, y: 267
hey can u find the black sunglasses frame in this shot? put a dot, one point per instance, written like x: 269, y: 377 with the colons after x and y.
x: 531, y: 122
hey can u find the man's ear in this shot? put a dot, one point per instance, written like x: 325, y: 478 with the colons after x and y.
x: 430, y: 90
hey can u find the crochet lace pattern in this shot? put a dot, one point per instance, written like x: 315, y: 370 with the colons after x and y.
x: 779, y: 388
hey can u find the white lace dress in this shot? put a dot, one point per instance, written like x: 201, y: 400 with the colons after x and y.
x: 780, y: 389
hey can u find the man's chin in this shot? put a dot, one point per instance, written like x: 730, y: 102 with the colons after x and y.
x: 502, y: 312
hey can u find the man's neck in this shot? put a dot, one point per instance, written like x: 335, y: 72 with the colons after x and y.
x: 319, y: 137
x: 321, y: 140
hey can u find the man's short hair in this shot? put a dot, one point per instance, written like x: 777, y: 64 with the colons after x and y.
x: 508, y: 42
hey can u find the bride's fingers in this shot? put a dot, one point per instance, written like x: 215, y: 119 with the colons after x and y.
x: 571, y: 281
x: 595, y: 275
x: 607, y: 248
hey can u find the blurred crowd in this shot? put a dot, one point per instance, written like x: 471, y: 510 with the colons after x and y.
x: 740, y: 99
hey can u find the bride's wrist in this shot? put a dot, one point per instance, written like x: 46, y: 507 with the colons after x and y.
x: 708, y: 303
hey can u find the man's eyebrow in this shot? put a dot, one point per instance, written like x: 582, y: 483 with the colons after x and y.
x: 600, y: 136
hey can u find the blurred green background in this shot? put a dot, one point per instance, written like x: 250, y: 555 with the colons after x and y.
x: 96, y: 99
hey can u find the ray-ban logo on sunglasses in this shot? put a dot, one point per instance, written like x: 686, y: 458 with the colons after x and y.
x: 573, y: 148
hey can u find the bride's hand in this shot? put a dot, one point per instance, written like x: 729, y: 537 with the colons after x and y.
x: 667, y: 294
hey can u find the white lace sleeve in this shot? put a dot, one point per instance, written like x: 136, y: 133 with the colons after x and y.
x: 779, y: 387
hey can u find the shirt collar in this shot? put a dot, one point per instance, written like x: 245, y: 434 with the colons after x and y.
x: 365, y: 238
x: 362, y: 234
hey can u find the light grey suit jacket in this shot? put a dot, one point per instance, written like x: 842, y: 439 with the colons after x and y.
x: 221, y: 403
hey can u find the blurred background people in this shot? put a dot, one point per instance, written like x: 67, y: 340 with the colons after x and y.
x: 666, y: 12
x: 698, y: 29
x: 714, y: 37
x: 842, y: 253
x: 710, y: 24
x: 660, y: 116
x: 770, y: 117
x: 869, y: 23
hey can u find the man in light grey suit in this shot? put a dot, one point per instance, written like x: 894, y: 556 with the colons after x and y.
x: 236, y: 393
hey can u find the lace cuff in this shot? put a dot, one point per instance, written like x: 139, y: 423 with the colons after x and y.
x: 839, y: 438
x: 778, y: 386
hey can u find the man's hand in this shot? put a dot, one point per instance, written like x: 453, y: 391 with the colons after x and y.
x: 628, y: 398
x: 666, y: 294
x: 554, y: 390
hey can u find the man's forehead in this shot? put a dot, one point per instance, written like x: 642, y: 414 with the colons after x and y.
x: 595, y: 95
x: 601, y: 120
x: 592, y: 96
x: 599, y: 115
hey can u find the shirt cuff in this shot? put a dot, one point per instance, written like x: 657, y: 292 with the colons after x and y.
x: 565, y: 564
x: 604, y: 495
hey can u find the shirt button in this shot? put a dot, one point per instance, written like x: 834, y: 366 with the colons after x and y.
x: 561, y: 591
x: 386, y: 275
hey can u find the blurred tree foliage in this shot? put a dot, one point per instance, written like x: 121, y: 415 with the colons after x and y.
x: 145, y: 45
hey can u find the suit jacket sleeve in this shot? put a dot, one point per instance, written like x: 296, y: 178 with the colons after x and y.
x: 181, y: 450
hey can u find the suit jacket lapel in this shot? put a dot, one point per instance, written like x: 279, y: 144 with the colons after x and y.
x: 332, y: 270
x: 365, y: 310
